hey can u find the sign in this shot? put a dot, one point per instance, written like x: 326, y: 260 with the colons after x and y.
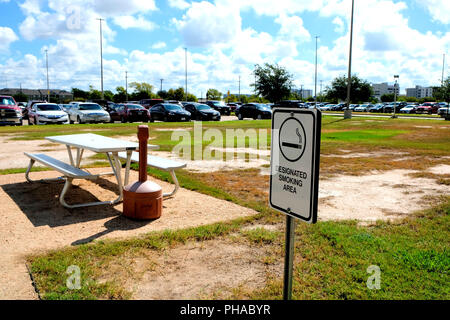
x: 295, y: 154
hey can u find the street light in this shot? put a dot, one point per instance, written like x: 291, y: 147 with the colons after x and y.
x: 348, y: 112
x: 101, y: 55
x: 185, y: 68
x: 395, y: 95
x: 315, y: 80
x: 48, y: 86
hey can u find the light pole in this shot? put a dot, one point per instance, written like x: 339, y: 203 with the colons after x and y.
x: 348, y: 112
x: 126, y: 86
x: 161, y: 85
x: 239, y: 88
x: 101, y: 56
x: 48, y: 86
x: 395, y: 95
x: 443, y: 64
x: 185, y: 68
x: 315, y: 79
x: 255, y: 79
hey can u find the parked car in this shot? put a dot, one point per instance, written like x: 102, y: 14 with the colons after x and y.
x: 379, y: 107
x: 289, y: 104
x: 10, y: 112
x: 148, y: 103
x: 202, y: 112
x: 338, y: 107
x: 444, y: 111
x: 428, y: 107
x: 363, y: 107
x: 29, y: 106
x: 169, y: 112
x: 326, y: 107
x: 47, y: 113
x: 132, y: 112
x: 219, y: 106
x: 111, y: 108
x: 233, y: 106
x: 87, y: 112
x: 410, y: 108
x: 65, y: 107
x: 254, y: 110
x: 353, y: 106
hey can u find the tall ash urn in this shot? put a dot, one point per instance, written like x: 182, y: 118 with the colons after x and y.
x: 142, y: 200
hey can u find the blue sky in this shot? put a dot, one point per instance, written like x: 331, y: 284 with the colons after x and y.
x: 224, y: 40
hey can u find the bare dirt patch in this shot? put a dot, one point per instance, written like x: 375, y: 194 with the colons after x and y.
x: 440, y: 169
x: 34, y: 221
x: 204, y: 269
x: 379, y: 196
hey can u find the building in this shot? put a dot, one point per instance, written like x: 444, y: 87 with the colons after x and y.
x: 419, y: 92
x: 39, y: 94
x: 380, y: 89
x: 304, y: 93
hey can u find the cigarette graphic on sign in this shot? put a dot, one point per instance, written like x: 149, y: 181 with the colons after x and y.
x: 294, y: 145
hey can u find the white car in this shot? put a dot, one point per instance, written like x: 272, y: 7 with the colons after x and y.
x: 408, y: 109
x: 363, y: 108
x: 47, y: 113
x: 85, y: 112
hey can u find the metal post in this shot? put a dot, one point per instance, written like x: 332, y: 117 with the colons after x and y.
x: 443, y: 64
x: 315, y: 79
x: 395, y: 95
x: 161, y: 84
x: 255, y: 79
x: 48, y: 86
x: 126, y: 86
x: 185, y: 68
x: 289, y: 257
x: 239, y: 88
x: 101, y: 57
x: 348, y: 112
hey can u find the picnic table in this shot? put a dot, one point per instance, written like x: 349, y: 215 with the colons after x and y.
x: 93, y: 142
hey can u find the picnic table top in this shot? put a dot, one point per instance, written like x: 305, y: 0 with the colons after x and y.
x: 96, y: 143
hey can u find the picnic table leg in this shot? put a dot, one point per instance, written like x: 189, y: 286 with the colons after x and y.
x: 79, y: 156
x: 69, y: 150
x: 127, y: 167
x: 118, y: 167
x: 177, y: 185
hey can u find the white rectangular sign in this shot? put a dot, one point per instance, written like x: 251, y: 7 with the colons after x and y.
x: 295, y: 155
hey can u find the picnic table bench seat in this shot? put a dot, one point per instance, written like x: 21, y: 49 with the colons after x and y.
x: 69, y: 173
x: 162, y: 164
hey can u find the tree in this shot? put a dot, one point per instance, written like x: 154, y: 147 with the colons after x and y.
x: 177, y: 94
x: 20, y: 97
x: 94, y: 94
x: 273, y: 82
x: 388, y: 97
x: 443, y: 93
x: 108, y: 95
x: 79, y: 95
x: 360, y: 92
x: 191, y: 97
x: 213, y: 94
x: 141, y: 90
x: 162, y: 94
x: 120, y: 96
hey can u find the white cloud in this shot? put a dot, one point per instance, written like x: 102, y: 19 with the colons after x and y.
x: 292, y: 27
x: 205, y: 24
x: 438, y: 9
x: 179, y: 4
x: 127, y: 22
x: 339, y: 25
x: 7, y: 36
x: 159, y: 45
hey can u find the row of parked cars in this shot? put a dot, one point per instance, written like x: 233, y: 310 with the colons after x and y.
x: 41, y: 112
x: 401, y: 107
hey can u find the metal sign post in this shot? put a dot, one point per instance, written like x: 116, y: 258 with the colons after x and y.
x: 294, y: 179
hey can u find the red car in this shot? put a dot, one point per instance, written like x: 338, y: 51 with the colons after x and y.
x: 10, y: 112
x: 428, y: 107
x: 132, y: 112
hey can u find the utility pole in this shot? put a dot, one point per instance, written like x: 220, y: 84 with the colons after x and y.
x: 126, y: 86
x: 395, y: 95
x: 239, y: 88
x: 315, y: 79
x: 443, y: 64
x: 348, y: 112
x: 161, y: 84
x: 101, y: 56
x: 48, y: 86
x: 185, y: 68
x: 255, y: 79
x: 321, y: 87
x: 301, y: 92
